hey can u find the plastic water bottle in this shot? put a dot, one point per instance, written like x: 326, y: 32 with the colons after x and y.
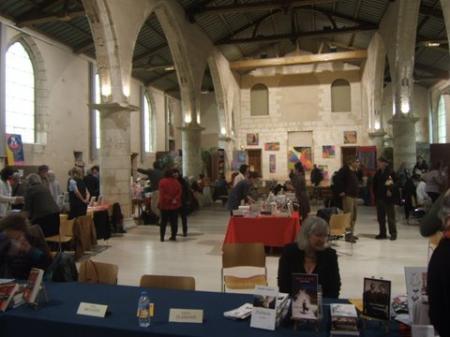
x: 144, y: 310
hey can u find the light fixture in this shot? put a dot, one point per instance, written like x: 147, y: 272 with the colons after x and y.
x: 377, y: 125
x: 405, y: 107
x: 432, y: 44
x: 169, y: 68
x: 223, y: 131
x: 188, y: 119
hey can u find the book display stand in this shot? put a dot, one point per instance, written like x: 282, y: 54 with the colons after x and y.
x: 376, y: 303
x: 41, y: 298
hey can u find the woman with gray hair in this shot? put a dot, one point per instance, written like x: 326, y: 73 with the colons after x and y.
x: 42, y: 209
x: 439, y: 275
x: 310, y: 254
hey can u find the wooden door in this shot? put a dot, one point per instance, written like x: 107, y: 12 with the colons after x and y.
x: 254, y: 160
x: 348, y: 152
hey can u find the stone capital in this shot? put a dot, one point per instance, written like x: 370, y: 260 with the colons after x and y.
x: 227, y: 139
x: 192, y: 127
x: 114, y: 107
x: 377, y: 133
x: 403, y: 118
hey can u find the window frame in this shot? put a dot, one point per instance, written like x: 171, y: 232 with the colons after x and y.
x: 335, y: 84
x: 261, y: 85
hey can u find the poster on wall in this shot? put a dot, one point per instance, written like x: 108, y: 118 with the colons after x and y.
x: 239, y: 158
x: 272, y: 163
x: 325, y: 172
x: 252, y: 139
x: 302, y: 154
x: 272, y: 146
x: 350, y: 137
x: 14, y: 150
x: 328, y: 151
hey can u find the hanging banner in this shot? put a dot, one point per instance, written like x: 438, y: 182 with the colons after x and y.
x: 14, y: 150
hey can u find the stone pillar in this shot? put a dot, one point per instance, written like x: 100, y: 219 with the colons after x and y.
x: 404, y: 140
x: 226, y: 143
x: 378, y: 140
x: 191, y: 139
x: 115, y: 154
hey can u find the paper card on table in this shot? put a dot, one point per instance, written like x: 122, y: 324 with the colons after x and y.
x: 92, y: 309
x: 185, y: 315
x: 264, y: 313
x: 422, y: 331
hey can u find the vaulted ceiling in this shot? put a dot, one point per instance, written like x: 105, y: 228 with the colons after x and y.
x: 246, y: 29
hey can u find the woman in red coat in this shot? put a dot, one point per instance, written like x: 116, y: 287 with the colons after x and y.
x: 169, y: 202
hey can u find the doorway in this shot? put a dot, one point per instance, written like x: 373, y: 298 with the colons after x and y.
x: 254, y: 160
x: 348, y: 152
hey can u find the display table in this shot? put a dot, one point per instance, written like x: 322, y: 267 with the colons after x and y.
x: 272, y: 231
x: 58, y: 318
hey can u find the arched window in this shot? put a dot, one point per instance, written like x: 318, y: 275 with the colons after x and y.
x: 20, y: 93
x: 341, y: 100
x: 98, y: 100
x: 442, y: 122
x: 259, y: 100
x: 148, y: 123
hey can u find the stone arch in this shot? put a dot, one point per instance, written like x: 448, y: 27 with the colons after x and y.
x: 341, y: 99
x: 41, y: 86
x: 151, y: 101
x: 259, y: 100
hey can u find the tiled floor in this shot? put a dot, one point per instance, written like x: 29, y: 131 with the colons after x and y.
x: 140, y: 251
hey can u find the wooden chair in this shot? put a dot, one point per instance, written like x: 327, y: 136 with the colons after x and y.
x: 65, y: 233
x: 98, y: 272
x: 338, y: 226
x: 167, y: 282
x: 243, y: 255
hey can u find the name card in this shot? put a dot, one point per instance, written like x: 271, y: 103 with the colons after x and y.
x: 185, y: 315
x: 92, y: 309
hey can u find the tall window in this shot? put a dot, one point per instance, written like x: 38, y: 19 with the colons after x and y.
x: 442, y: 121
x: 148, y: 119
x: 20, y: 93
x: 98, y: 100
x: 340, y: 96
x: 259, y: 100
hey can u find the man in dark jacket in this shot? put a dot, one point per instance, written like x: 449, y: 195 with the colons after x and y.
x: 241, y: 192
x: 386, y: 194
x: 92, y: 181
x: 348, y: 188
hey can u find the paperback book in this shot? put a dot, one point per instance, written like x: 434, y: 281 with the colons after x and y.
x: 344, y: 319
x: 7, y: 291
x: 264, y: 313
x: 305, y: 299
x: 416, y: 288
x: 33, y: 285
x: 377, y: 298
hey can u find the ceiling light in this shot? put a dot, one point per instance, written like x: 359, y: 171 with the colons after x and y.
x: 432, y: 44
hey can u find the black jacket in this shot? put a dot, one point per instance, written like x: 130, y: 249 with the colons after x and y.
x: 292, y: 261
x: 380, y: 189
x: 439, y: 288
x: 347, y: 182
x: 39, y: 202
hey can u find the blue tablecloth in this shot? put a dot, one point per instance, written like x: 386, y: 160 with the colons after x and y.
x: 58, y: 318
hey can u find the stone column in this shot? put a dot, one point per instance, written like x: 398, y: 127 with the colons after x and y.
x: 404, y: 140
x: 115, y: 152
x: 226, y: 143
x: 378, y: 139
x: 191, y: 138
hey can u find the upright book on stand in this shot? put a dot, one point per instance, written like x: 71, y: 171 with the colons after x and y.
x: 377, y: 298
x: 33, y: 285
x: 7, y: 291
x: 416, y: 290
x: 344, y: 319
x: 305, y: 298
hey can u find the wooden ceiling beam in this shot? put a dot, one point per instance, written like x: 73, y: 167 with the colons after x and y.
x: 41, y: 18
x: 353, y: 55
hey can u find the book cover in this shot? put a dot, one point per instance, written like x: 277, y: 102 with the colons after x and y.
x: 7, y: 291
x: 264, y: 313
x: 33, y: 285
x: 305, y: 300
x: 344, y: 319
x: 377, y: 298
x: 416, y: 287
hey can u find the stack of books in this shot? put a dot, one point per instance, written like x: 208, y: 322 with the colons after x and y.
x: 344, y: 320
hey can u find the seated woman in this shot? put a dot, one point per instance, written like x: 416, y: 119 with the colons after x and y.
x: 19, y: 249
x: 310, y: 255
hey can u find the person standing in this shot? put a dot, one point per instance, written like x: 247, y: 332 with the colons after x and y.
x: 242, y: 174
x: 316, y: 179
x: 154, y: 175
x: 298, y: 181
x: 78, y: 193
x: 386, y: 193
x: 185, y: 201
x: 55, y: 189
x: 92, y: 181
x: 348, y: 189
x: 43, y: 173
x: 169, y: 203
x: 436, y: 180
x: 6, y: 200
x: 241, y: 192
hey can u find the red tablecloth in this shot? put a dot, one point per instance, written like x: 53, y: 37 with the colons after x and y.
x: 270, y: 230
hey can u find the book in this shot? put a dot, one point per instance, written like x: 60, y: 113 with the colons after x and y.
x: 377, y: 298
x: 305, y: 299
x: 242, y: 312
x: 416, y: 288
x: 264, y: 313
x: 33, y: 285
x: 7, y: 291
x: 344, y: 319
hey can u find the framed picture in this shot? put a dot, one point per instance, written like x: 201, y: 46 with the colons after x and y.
x: 350, y: 137
x: 328, y: 151
x: 377, y: 298
x: 301, y: 154
x: 252, y: 139
x: 272, y: 163
x: 272, y: 146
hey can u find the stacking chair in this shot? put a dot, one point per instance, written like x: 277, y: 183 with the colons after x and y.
x: 98, y: 272
x: 338, y: 225
x: 243, y: 255
x: 65, y: 233
x: 167, y: 282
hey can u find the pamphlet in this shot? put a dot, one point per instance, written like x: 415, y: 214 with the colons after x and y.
x: 7, y: 291
x: 264, y: 311
x: 33, y: 285
x: 416, y: 288
x: 305, y: 300
x: 377, y: 298
x: 344, y: 319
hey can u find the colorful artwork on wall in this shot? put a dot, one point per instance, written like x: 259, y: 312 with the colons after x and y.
x: 14, y: 150
x: 350, y: 137
x: 328, y: 151
x: 272, y: 146
x: 252, y: 139
x: 301, y: 154
x: 272, y: 163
